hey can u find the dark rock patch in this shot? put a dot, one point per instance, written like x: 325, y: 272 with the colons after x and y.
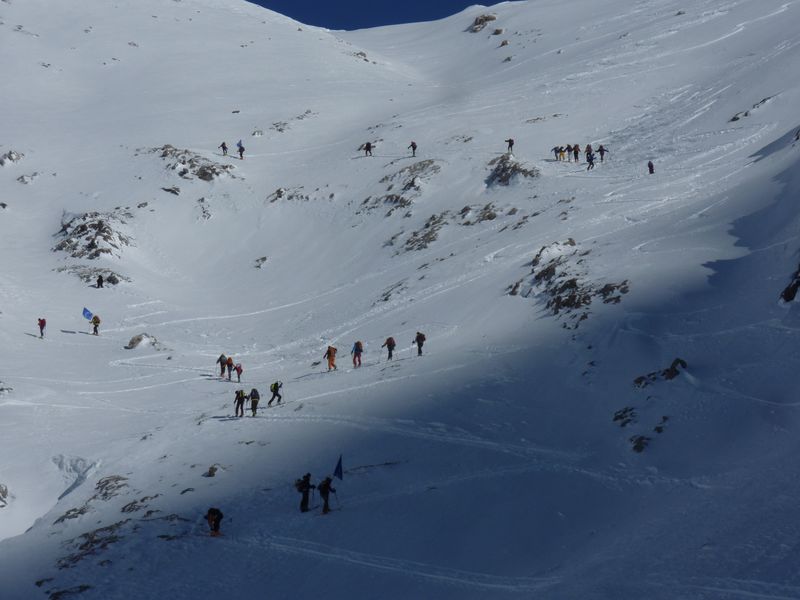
x: 790, y: 291
x: 667, y: 374
x: 505, y: 169
x: 625, y: 416
x: 558, y: 271
x: 190, y: 165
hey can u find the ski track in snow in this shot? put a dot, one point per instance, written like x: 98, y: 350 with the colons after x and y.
x: 438, y: 574
x: 736, y: 588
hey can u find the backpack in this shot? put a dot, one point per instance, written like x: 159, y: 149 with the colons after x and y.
x: 254, y: 395
x: 390, y: 342
x: 274, y: 387
x: 359, y: 347
x: 421, y: 337
x: 239, y: 368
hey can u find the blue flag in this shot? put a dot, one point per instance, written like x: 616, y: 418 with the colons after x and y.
x: 87, y: 314
x: 337, y: 472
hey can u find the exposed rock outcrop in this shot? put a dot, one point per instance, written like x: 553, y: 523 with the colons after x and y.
x: 505, y: 169
x: 671, y: 372
x: 10, y: 157
x: 190, y: 165
x: 94, y: 234
x: 559, y: 272
x: 480, y: 22
x: 790, y: 292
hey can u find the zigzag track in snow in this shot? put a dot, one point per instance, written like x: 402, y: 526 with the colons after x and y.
x: 429, y: 431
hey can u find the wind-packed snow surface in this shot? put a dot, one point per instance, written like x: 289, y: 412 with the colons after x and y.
x: 606, y: 405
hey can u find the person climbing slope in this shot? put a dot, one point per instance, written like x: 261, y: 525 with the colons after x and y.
x: 602, y: 151
x: 275, y: 388
x: 222, y: 361
x: 325, y: 490
x: 510, y: 142
x: 95, y: 324
x: 651, y: 168
x: 368, y: 149
x: 42, y: 325
x: 358, y: 348
x: 214, y: 518
x: 254, y: 398
x: 389, y: 344
x: 413, y: 146
x: 238, y: 402
x: 238, y: 368
x: 419, y: 340
x: 240, y: 147
x: 224, y: 148
x: 229, y: 367
x: 304, y: 486
x: 330, y: 354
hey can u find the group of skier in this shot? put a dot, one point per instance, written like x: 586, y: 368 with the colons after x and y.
x: 569, y: 153
x: 226, y: 363
x: 239, y: 147
x: 94, y: 322
x: 572, y: 152
x: 358, y: 350
x: 303, y: 485
x: 324, y: 487
x: 369, y: 146
x: 240, y: 397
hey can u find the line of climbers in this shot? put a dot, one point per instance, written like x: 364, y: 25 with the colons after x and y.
x: 240, y: 397
x: 226, y: 362
x: 239, y: 147
x: 567, y: 153
x: 305, y: 487
x: 358, y: 350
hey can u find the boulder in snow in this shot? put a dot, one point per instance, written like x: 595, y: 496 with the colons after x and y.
x: 790, y: 292
x: 10, y: 157
x: 480, y: 22
x: 140, y: 339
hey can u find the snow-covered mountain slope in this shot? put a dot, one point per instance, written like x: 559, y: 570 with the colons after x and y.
x: 605, y: 405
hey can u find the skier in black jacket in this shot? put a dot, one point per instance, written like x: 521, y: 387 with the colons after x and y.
x: 214, y: 518
x: 419, y: 339
x: 304, y: 486
x: 325, y: 490
x: 254, y: 398
x: 275, y: 388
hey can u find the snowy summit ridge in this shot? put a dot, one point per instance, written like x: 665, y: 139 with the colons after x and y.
x: 604, y: 405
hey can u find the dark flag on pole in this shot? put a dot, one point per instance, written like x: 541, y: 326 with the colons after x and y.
x: 337, y: 472
x: 87, y: 314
